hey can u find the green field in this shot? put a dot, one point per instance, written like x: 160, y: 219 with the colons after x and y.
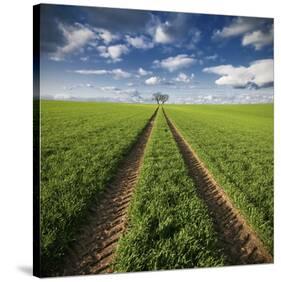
x: 81, y: 146
x: 236, y: 144
x: 169, y: 225
x: 83, y: 143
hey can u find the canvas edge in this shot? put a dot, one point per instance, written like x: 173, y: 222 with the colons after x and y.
x: 36, y: 142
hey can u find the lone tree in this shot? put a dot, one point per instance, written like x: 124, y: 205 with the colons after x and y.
x: 164, y: 98
x: 160, y: 98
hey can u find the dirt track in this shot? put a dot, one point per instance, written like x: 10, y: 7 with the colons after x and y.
x: 240, y: 243
x: 94, y: 250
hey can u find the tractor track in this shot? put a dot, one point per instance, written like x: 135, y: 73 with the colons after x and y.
x: 238, y: 240
x: 93, y: 251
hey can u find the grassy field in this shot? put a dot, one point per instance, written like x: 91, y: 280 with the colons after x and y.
x: 169, y: 226
x: 236, y: 144
x: 81, y: 146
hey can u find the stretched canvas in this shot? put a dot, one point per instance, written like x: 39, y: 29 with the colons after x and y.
x: 153, y: 140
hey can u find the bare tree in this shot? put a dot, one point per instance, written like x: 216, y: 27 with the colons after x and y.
x: 156, y: 97
x: 164, y: 98
x: 160, y: 98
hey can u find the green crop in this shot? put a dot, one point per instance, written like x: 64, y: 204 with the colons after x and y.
x: 81, y: 147
x: 236, y: 144
x: 169, y: 226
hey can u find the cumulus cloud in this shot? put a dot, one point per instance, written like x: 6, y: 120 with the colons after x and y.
x: 177, y: 28
x: 258, y: 74
x: 162, y: 35
x: 175, y: 63
x: 117, y: 73
x: 254, y: 31
x: 113, y: 52
x: 154, y: 80
x: 132, y: 92
x: 133, y: 95
x: 75, y: 37
x: 103, y: 51
x: 182, y: 77
x: 258, y: 39
x: 143, y: 72
x: 139, y: 42
x: 238, y: 26
x: 105, y: 35
x: 124, y: 95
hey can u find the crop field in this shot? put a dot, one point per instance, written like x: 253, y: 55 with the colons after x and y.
x: 81, y: 146
x: 157, y: 203
x: 236, y: 144
x: 153, y: 140
x: 169, y: 225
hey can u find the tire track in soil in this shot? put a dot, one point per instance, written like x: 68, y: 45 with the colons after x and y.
x: 238, y: 240
x: 93, y: 252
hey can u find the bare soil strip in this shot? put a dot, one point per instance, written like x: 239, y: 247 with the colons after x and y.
x: 94, y: 250
x: 240, y: 243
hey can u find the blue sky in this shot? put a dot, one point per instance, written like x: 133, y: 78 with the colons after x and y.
x: 122, y: 55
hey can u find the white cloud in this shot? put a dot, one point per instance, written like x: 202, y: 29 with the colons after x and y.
x: 182, y: 77
x: 62, y: 96
x: 97, y: 72
x: 143, y: 72
x: 113, y: 52
x: 125, y: 95
x: 117, y: 73
x: 139, y: 42
x: 153, y: 80
x: 254, y: 32
x: 177, y: 28
x: 212, y: 57
x: 194, y: 39
x: 105, y: 35
x: 103, y: 51
x: 175, y: 63
x: 110, y: 89
x: 84, y: 59
x: 161, y: 35
x: 196, y: 36
x: 78, y: 86
x: 238, y: 26
x: 258, y: 39
x: 131, y: 91
x: 116, y: 51
x: 75, y: 36
x: 259, y: 74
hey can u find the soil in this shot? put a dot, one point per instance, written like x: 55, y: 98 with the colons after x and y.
x: 93, y: 252
x: 238, y: 240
